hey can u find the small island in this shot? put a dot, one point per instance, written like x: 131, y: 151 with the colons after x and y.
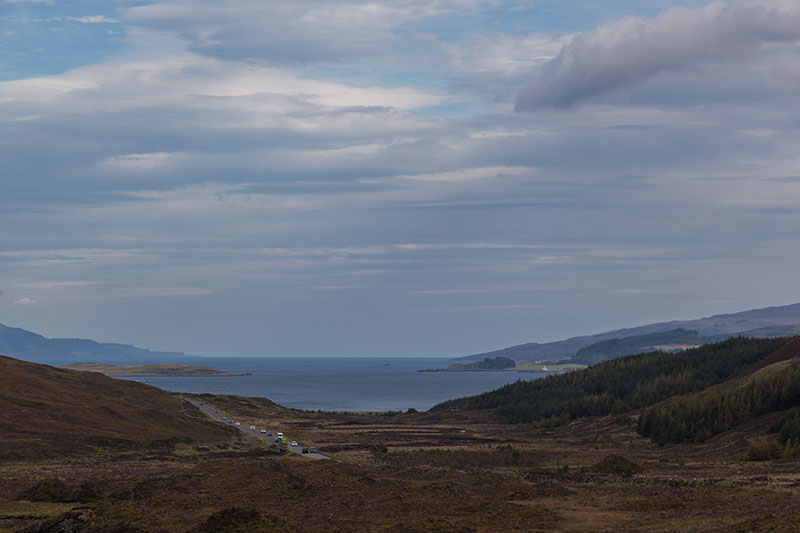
x: 150, y: 370
x: 494, y: 363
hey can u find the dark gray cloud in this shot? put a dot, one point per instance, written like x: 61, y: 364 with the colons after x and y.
x: 627, y: 53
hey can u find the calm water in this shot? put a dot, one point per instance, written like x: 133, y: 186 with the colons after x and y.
x: 341, y: 384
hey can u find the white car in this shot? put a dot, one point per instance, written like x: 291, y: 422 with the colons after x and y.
x: 263, y: 431
x: 238, y: 423
x: 279, y: 435
x: 294, y: 443
x: 252, y: 428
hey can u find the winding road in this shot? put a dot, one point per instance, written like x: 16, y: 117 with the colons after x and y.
x: 217, y: 416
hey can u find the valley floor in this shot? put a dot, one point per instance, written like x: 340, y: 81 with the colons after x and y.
x: 448, y: 472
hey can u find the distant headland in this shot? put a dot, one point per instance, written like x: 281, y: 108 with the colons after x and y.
x: 151, y: 370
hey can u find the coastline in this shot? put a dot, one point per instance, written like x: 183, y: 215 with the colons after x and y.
x: 153, y: 370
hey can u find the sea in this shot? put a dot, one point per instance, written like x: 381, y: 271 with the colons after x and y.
x: 355, y: 384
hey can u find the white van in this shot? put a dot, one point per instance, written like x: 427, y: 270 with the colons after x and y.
x: 280, y: 435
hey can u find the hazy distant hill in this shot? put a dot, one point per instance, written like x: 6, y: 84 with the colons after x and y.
x: 666, y: 341
x: 22, y: 344
x: 758, y: 322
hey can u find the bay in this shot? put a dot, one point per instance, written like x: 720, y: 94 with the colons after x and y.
x: 341, y: 383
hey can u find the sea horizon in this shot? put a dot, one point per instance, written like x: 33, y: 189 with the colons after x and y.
x: 351, y: 384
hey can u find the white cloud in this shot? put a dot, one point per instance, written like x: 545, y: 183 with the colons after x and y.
x: 626, y: 53
x: 143, y: 162
x: 191, y: 82
x: 75, y: 256
x: 47, y: 285
x: 25, y: 301
x: 277, y: 32
x: 94, y: 19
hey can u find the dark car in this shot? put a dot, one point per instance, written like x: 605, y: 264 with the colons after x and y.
x: 277, y: 440
x: 305, y: 450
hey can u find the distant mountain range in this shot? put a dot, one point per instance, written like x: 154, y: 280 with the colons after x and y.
x: 760, y: 323
x: 29, y: 346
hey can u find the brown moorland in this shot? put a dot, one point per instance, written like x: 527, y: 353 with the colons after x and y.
x: 53, y: 411
x: 437, y: 471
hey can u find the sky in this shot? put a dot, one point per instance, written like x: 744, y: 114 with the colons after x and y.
x: 414, y: 177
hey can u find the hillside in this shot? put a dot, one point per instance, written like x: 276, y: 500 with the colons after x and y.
x: 718, y: 326
x: 621, y: 385
x: 667, y: 341
x: 497, y: 363
x: 772, y: 385
x: 29, y: 346
x: 47, y: 410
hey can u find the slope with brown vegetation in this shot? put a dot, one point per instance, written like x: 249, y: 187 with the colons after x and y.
x: 47, y: 410
x: 457, y: 471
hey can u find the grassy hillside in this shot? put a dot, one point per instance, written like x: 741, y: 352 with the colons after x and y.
x: 46, y: 410
x: 621, y: 385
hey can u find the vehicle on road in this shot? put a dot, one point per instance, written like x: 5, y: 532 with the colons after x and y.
x: 269, y: 433
x: 238, y: 423
x: 312, y: 450
x: 280, y: 435
x: 252, y: 428
x: 294, y: 443
x: 305, y: 450
x: 263, y: 431
x: 277, y: 440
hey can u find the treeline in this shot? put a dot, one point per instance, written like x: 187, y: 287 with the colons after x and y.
x: 496, y: 363
x: 788, y: 428
x: 621, y: 385
x: 700, y: 416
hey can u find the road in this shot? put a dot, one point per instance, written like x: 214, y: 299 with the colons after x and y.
x: 217, y: 416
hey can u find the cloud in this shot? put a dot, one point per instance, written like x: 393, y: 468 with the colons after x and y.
x: 623, y: 54
x: 47, y: 285
x: 75, y: 256
x: 94, y: 19
x: 25, y: 301
x: 509, y: 307
x: 298, y: 31
x: 143, y: 162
